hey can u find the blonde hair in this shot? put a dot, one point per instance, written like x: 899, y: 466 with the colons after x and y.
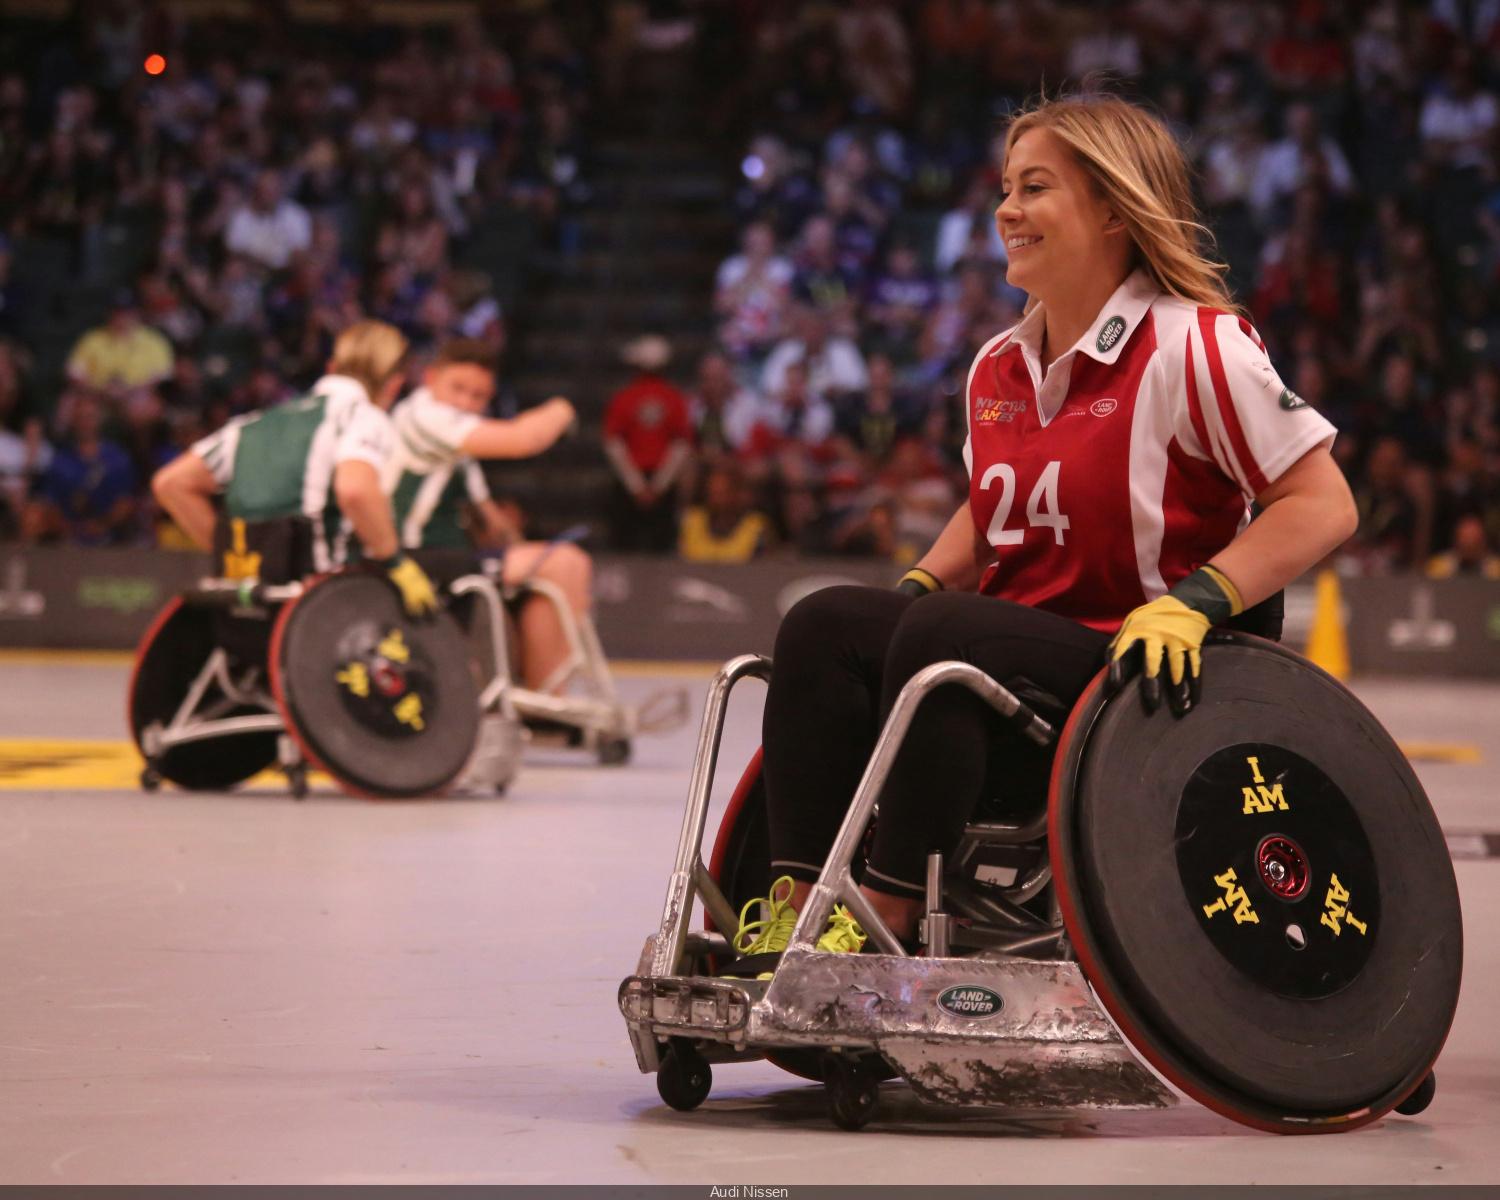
x: 369, y: 351
x: 1142, y: 174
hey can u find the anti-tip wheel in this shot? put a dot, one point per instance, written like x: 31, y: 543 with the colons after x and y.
x: 852, y: 1091
x: 1421, y: 1098
x: 296, y: 778
x: 684, y: 1079
x: 150, y: 779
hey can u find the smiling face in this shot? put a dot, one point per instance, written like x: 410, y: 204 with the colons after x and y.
x: 1057, y: 228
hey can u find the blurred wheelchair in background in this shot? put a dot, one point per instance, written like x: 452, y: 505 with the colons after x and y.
x: 268, y: 665
x: 1255, y: 899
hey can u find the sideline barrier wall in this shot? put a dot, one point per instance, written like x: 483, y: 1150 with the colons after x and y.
x: 651, y: 608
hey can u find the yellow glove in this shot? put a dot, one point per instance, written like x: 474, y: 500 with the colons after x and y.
x: 1172, y: 627
x: 418, y: 596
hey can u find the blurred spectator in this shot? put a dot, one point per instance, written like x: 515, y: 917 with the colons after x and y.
x: 1470, y: 555
x: 824, y: 279
x: 648, y: 440
x: 1303, y: 156
x: 970, y: 232
x: 834, y: 364
x: 751, y: 291
x: 1390, y: 516
x: 724, y: 413
x: 898, y: 303
x: 87, y: 494
x: 268, y: 229
x: 723, y: 527
x: 122, y: 356
x: 1459, y: 116
x: 24, y: 452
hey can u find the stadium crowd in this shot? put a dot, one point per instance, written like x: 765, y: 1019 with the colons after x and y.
x: 1348, y: 163
x: 226, y: 197
x: 226, y: 216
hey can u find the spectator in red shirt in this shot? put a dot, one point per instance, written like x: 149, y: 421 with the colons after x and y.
x: 648, y: 437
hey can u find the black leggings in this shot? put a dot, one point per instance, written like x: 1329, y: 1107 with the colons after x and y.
x: 842, y: 656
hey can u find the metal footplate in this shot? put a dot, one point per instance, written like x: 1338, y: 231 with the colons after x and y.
x: 968, y: 1032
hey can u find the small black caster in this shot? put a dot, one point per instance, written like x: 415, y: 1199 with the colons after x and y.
x: 296, y: 779
x: 1420, y: 1098
x: 150, y: 778
x: 852, y: 1091
x: 683, y: 1079
x: 612, y: 752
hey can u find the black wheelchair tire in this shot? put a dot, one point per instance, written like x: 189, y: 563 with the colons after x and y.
x: 1248, y: 1074
x: 168, y: 658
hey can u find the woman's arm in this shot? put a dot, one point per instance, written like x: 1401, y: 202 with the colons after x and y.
x: 959, y: 556
x: 1307, y: 513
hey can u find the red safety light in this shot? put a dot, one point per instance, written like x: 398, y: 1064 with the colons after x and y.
x: 155, y: 64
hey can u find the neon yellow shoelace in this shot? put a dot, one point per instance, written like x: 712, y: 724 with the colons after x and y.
x: 771, y: 934
x: 843, y: 935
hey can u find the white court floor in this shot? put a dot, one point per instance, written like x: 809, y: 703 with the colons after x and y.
x: 245, y: 989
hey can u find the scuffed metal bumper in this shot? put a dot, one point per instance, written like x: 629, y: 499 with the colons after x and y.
x: 1047, y: 1043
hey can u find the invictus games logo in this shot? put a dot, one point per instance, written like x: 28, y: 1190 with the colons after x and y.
x: 970, y: 1000
x: 1290, y: 400
x: 1110, y: 334
x: 988, y: 410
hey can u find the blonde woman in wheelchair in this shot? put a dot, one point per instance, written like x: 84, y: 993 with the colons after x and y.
x: 1117, y: 439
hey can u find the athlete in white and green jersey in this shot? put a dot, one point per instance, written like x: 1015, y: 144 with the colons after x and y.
x: 280, y: 462
x: 436, y: 489
x: 318, y: 456
x: 441, y: 499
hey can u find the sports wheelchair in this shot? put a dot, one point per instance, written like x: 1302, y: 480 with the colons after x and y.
x: 1255, y: 899
x: 578, y: 705
x: 270, y: 663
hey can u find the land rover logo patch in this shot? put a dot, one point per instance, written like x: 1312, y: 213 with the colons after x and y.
x: 970, y: 1000
x: 1110, y: 334
x: 1290, y: 400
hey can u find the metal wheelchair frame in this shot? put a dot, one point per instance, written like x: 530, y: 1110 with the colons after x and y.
x: 1046, y: 1044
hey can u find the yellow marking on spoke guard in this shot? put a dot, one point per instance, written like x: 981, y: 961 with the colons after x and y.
x: 69, y: 765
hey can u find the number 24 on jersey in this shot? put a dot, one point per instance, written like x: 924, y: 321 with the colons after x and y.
x: 1041, y: 507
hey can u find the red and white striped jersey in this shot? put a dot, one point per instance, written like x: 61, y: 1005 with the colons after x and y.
x: 1133, y: 461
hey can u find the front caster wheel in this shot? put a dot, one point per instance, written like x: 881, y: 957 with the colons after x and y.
x: 1420, y: 1098
x: 150, y: 778
x: 683, y: 1079
x: 852, y: 1091
x: 613, y: 752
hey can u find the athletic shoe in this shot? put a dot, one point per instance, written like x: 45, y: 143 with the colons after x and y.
x: 843, y: 935
x: 769, y: 935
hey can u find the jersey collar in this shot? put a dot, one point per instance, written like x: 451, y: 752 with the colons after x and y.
x: 1111, y: 329
x: 341, y: 385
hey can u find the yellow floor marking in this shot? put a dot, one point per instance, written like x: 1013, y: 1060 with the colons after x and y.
x: 1465, y: 753
x: 66, y: 765
x: 26, y: 656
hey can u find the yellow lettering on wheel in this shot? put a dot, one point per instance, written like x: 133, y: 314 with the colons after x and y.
x: 1234, y: 897
x: 356, y: 678
x: 1336, y: 912
x: 1262, y: 799
x: 1255, y: 768
x: 393, y: 646
x: 408, y: 711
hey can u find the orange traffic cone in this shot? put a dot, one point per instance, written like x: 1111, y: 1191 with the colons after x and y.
x: 1327, y: 642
